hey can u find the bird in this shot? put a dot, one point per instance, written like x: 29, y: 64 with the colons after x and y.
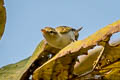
x: 60, y: 36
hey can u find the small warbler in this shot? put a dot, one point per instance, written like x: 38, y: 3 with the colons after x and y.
x: 61, y: 36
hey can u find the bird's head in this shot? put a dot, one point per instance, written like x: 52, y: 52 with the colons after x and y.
x: 49, y: 33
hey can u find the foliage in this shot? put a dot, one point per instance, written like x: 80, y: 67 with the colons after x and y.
x: 61, y: 67
x: 91, y: 58
x: 12, y: 71
x: 2, y: 18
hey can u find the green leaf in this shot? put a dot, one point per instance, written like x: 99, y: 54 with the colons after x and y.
x: 24, y: 70
x: 40, y: 55
x: 12, y: 71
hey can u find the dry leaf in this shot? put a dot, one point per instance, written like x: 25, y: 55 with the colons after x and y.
x: 2, y: 18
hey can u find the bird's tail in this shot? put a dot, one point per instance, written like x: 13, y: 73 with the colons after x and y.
x: 77, y: 33
x: 79, y: 29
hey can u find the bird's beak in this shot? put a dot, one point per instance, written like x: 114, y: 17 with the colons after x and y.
x: 44, y: 31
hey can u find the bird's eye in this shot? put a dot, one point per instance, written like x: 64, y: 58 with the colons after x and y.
x: 51, y: 32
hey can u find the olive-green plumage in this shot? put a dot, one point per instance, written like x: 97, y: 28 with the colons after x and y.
x: 60, y: 36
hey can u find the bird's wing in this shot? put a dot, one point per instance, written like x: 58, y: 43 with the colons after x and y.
x: 63, y: 29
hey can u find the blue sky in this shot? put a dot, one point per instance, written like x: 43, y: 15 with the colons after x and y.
x: 25, y: 18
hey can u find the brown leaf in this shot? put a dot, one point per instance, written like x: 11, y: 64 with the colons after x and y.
x: 2, y: 18
x: 1, y: 2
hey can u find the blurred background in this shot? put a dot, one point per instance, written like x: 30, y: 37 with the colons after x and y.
x: 25, y: 18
